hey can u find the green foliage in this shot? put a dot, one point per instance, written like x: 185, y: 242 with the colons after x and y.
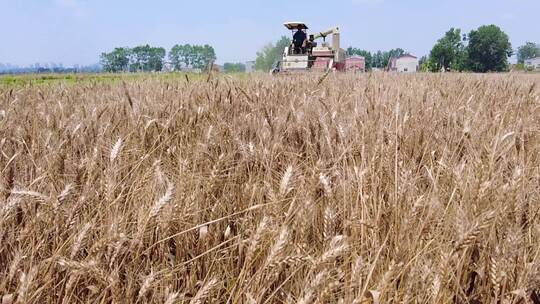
x: 380, y: 59
x: 147, y: 59
x: 229, y: 67
x: 528, y: 51
x: 116, y: 61
x: 425, y: 65
x: 518, y: 67
x: 422, y: 60
x: 488, y: 49
x: 447, y: 53
x: 80, y: 78
x: 204, y: 56
x: 266, y: 58
x: 395, y: 53
x: 139, y: 59
x: 271, y: 54
x: 192, y: 56
x: 377, y: 60
x: 366, y: 54
x: 463, y: 62
x: 181, y: 56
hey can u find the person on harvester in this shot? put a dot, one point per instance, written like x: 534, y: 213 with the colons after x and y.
x: 299, y: 40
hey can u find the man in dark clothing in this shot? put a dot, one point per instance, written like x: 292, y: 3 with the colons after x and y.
x: 299, y: 39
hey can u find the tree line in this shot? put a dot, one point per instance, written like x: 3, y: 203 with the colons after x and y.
x: 47, y: 68
x: 234, y: 67
x: 146, y: 58
x: 377, y: 59
x: 482, y: 50
x: 485, y: 49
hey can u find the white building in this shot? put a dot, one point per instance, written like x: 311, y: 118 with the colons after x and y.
x: 533, y: 63
x: 403, y: 64
x: 249, y: 66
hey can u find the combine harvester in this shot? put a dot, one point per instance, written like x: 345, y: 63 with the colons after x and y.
x: 308, y: 55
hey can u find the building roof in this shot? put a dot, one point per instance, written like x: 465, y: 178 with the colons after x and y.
x: 407, y: 56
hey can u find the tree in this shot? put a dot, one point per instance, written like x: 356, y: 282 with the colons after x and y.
x: 462, y: 62
x: 396, y: 52
x: 139, y: 56
x: 424, y: 64
x: 488, y: 49
x: 181, y: 56
x: 380, y: 59
x: 145, y: 58
x: 203, y: 56
x: 447, y: 53
x: 192, y: 56
x: 377, y: 60
x: 271, y: 54
x: 528, y: 51
x: 155, y: 62
x: 116, y: 61
x: 366, y: 54
x: 229, y: 67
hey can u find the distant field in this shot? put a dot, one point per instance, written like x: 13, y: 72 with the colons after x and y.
x: 371, y: 188
x: 39, y: 79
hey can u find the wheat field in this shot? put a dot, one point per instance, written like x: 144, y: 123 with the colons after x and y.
x: 373, y: 188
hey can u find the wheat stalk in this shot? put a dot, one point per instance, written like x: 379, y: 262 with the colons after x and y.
x: 325, y: 184
x: 145, y: 287
x: 329, y: 219
x: 79, y: 239
x: 284, y: 186
x: 65, y: 193
x: 171, y: 298
x: 195, y: 194
x: 25, y: 284
x: 279, y: 246
x: 204, y: 292
x: 115, y: 150
x: 470, y: 237
x: 256, y: 238
x: 311, y: 290
x: 161, y: 202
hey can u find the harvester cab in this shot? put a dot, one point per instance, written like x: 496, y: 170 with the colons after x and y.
x: 305, y: 54
x: 296, y: 57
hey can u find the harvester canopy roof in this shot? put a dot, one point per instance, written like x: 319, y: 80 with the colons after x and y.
x: 294, y: 25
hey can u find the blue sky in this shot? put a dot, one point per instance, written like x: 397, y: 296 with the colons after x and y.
x: 77, y: 31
